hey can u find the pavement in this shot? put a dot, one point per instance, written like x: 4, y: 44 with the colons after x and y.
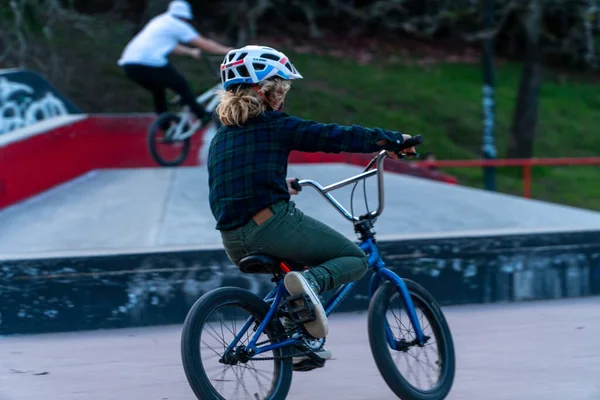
x: 519, y: 351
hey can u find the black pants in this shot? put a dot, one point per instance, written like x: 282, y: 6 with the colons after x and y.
x: 157, y: 80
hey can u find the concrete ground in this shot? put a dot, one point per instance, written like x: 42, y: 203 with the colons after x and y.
x: 520, y: 351
x: 149, y: 208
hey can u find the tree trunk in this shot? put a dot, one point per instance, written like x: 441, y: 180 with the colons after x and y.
x: 138, y: 11
x: 522, y: 131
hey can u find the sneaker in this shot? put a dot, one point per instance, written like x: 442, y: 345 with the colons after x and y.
x: 296, y: 283
x: 305, y: 364
x: 323, y: 353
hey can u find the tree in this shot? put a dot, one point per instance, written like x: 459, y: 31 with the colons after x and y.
x: 27, y: 41
x: 524, y: 123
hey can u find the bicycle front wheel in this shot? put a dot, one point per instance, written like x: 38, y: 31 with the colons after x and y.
x: 165, y: 151
x: 436, y: 357
x: 210, y: 327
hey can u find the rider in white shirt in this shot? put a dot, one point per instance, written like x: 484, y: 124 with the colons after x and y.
x: 145, y: 58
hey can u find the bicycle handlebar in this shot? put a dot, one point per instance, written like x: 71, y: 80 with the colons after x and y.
x: 378, y: 160
x: 411, y: 142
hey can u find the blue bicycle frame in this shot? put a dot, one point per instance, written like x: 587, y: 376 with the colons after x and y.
x: 381, y: 274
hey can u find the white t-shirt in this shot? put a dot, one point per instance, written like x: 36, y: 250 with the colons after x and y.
x: 156, y: 41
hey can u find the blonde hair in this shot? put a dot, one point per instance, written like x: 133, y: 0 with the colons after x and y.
x: 244, y: 102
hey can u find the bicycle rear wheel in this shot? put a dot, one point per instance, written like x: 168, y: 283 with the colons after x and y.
x: 210, y: 327
x: 164, y: 151
x: 387, y: 307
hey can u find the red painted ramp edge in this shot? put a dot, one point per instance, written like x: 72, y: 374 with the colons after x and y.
x: 39, y: 157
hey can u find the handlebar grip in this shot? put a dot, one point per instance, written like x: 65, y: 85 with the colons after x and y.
x: 413, y: 141
x: 296, y: 185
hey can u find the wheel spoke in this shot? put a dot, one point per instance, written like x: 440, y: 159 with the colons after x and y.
x: 215, y: 335
x: 427, y: 357
x: 256, y: 373
x: 241, y: 381
x: 223, y: 335
x: 234, y: 321
x: 417, y: 359
x: 230, y: 331
x: 211, y: 349
x: 398, y: 319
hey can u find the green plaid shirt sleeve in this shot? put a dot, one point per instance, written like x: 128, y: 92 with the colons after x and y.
x: 310, y: 136
x: 247, y: 165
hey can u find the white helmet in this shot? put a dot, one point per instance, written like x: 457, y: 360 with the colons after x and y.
x: 180, y: 8
x: 254, y: 64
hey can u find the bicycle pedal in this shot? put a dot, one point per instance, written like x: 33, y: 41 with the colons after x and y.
x: 316, y: 359
x: 308, y: 364
x: 299, y: 308
x: 305, y: 366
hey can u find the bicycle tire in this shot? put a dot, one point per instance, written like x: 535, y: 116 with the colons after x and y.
x: 154, y: 130
x: 379, y: 345
x: 192, y: 329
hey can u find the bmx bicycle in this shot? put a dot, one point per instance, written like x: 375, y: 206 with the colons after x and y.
x: 263, y: 348
x: 175, y: 130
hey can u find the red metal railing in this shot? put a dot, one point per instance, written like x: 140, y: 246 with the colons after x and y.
x: 527, y: 164
x: 407, y: 168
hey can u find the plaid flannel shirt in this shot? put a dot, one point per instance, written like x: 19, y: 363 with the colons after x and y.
x: 247, y: 165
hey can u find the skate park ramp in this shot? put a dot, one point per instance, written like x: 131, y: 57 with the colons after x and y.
x: 144, y: 241
x: 152, y: 208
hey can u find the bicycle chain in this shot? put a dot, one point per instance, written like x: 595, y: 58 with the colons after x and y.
x: 297, y: 354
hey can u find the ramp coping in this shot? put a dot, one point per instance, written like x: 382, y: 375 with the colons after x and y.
x: 218, y: 246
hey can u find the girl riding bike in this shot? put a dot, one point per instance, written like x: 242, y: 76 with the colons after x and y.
x: 249, y: 192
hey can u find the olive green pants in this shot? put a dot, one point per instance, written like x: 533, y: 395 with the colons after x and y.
x: 290, y: 235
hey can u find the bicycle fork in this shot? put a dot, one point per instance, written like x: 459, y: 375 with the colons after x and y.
x: 381, y: 274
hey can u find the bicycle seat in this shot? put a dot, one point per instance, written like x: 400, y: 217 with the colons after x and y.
x: 259, y: 264
x: 264, y: 264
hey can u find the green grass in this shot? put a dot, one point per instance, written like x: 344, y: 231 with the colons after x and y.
x: 443, y: 103
x: 440, y: 102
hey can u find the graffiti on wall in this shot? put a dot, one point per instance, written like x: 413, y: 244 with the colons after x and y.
x: 19, y: 108
x: 27, y: 98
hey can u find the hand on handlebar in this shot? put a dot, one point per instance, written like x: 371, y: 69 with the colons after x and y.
x: 293, y: 186
x: 393, y: 154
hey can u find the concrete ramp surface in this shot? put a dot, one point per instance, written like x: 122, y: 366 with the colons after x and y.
x: 147, y: 208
